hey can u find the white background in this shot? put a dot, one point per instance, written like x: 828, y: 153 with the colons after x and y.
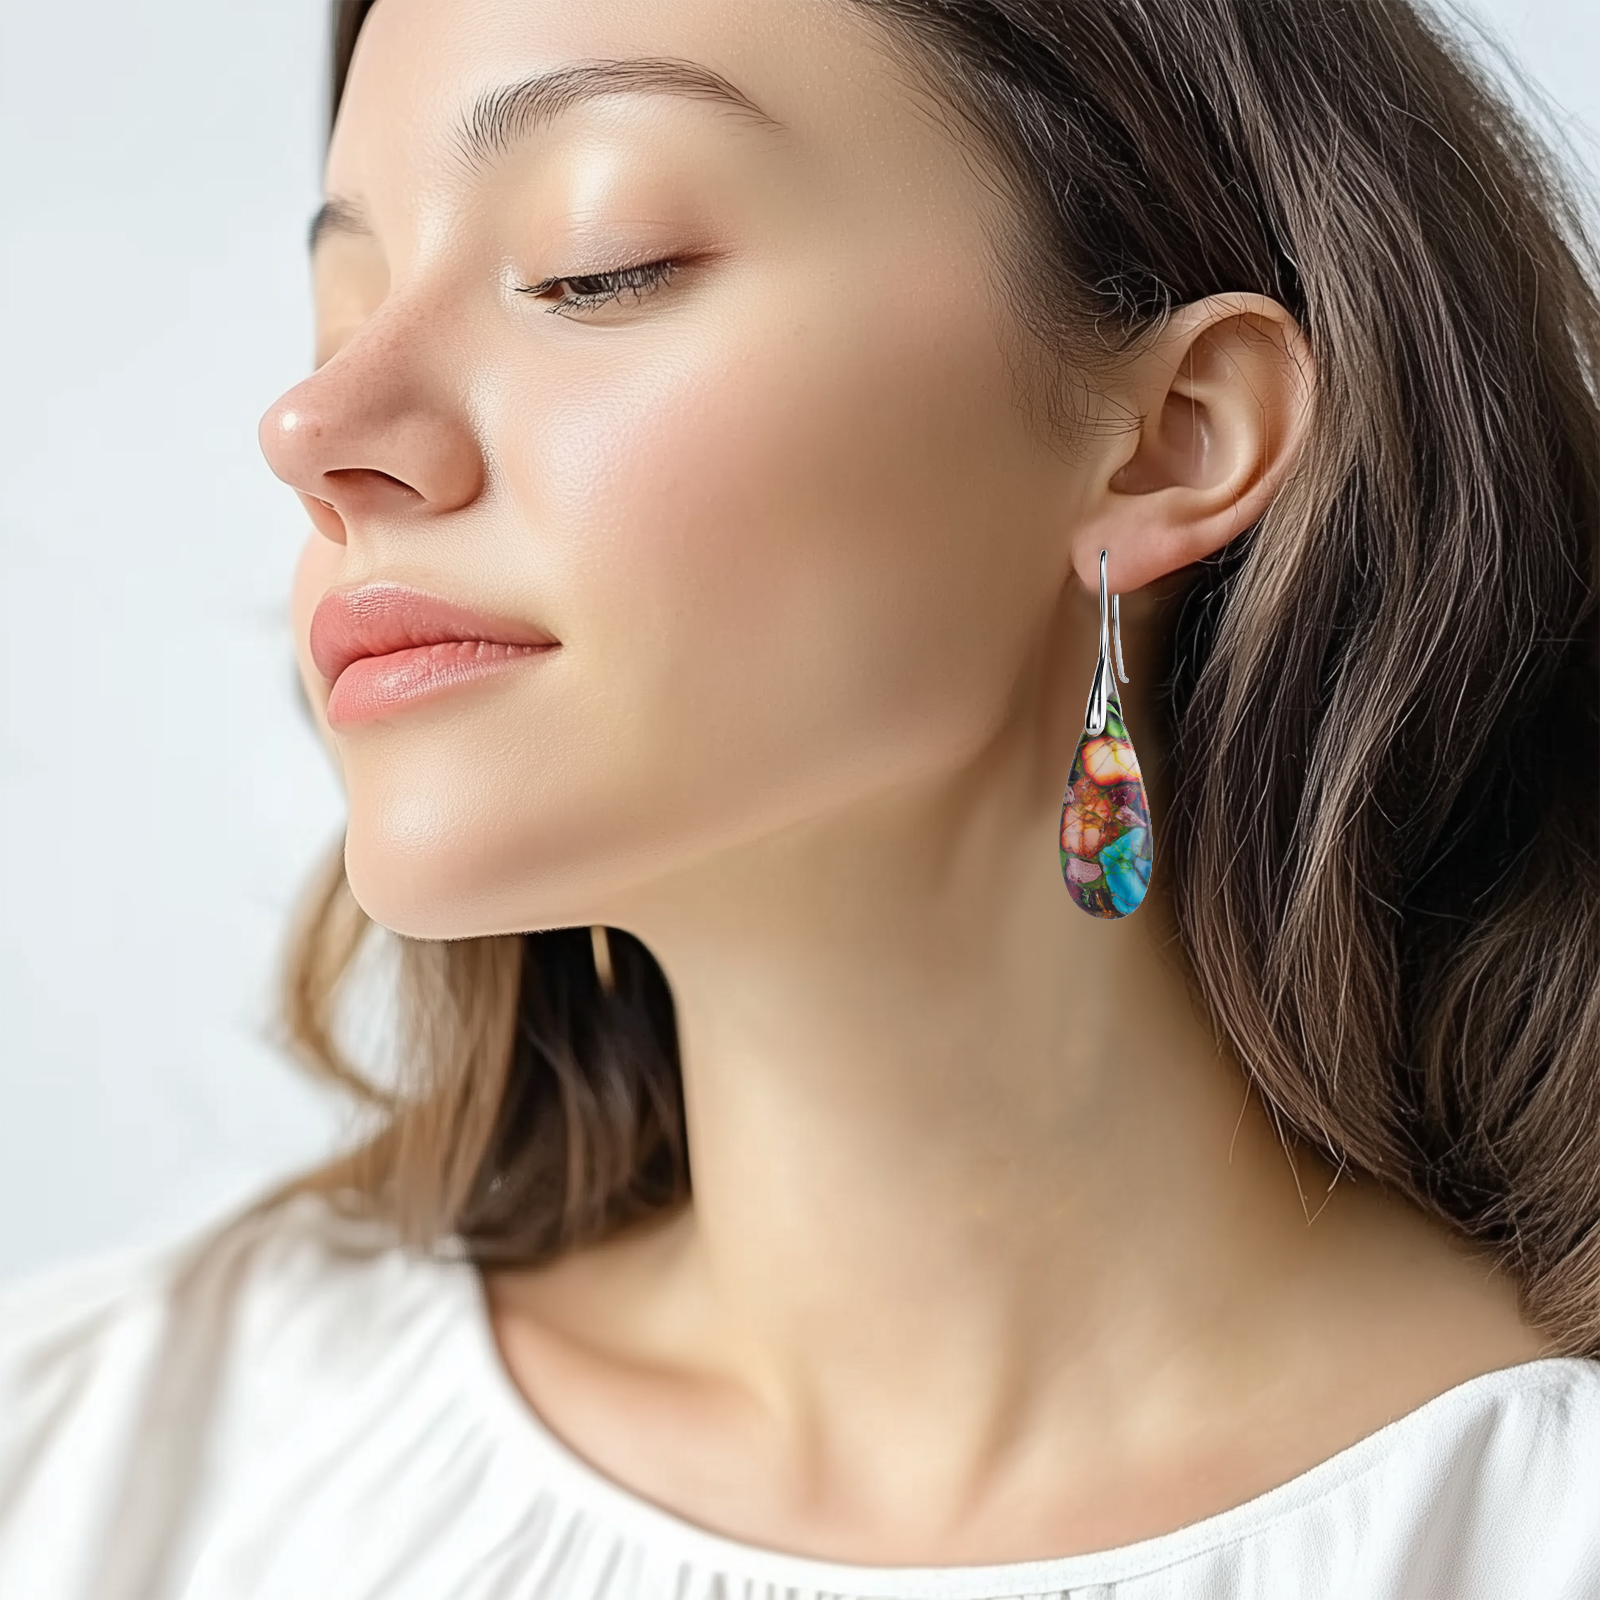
x: 161, y: 795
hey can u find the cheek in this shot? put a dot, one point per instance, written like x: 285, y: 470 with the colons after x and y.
x: 803, y: 551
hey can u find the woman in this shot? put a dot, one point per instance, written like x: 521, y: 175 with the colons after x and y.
x: 731, y: 425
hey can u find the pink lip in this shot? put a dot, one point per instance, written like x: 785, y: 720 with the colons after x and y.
x: 384, y: 647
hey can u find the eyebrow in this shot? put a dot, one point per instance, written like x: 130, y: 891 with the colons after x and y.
x: 338, y: 216
x: 502, y: 117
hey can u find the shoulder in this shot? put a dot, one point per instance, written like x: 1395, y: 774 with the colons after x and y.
x: 1521, y: 1437
x: 1506, y: 1428
x: 290, y: 1264
x: 136, y: 1388
x: 1489, y: 1489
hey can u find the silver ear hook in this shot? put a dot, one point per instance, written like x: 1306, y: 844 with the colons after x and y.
x: 1103, y: 688
x: 1116, y: 633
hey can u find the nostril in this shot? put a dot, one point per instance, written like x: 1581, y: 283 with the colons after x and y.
x: 325, y: 517
x: 368, y: 480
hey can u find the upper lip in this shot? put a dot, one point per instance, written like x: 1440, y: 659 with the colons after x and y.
x: 376, y: 619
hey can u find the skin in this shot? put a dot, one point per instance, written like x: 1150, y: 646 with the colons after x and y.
x: 991, y: 1255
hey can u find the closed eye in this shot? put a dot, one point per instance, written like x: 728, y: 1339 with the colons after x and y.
x: 590, y: 290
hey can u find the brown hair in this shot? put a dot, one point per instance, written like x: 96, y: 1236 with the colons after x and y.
x: 1384, y: 702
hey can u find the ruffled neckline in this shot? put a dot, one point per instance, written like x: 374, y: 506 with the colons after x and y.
x: 519, y: 1428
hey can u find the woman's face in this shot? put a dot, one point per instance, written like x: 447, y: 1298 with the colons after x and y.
x: 749, y: 538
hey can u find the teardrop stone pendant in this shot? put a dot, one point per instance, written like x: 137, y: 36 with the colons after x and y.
x: 1105, y: 822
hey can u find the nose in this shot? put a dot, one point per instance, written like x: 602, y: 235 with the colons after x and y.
x: 374, y: 433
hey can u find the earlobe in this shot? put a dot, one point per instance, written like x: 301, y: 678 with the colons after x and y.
x: 1223, y: 398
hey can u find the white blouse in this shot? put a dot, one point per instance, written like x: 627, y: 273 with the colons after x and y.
x: 288, y: 1406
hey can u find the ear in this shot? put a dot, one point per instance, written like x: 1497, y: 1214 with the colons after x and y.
x: 1221, y: 400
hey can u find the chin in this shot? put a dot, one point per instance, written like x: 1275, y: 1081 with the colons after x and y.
x: 441, y: 888
x: 413, y: 895
x: 436, y: 876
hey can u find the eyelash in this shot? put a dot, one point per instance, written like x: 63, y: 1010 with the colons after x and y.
x: 607, y: 286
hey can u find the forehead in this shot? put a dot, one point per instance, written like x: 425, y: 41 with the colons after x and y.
x: 817, y: 69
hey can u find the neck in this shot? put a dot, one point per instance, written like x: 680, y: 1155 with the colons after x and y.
x: 926, y: 1092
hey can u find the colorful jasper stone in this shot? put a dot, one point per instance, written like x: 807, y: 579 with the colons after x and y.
x: 1105, y: 823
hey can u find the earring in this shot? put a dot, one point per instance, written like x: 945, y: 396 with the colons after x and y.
x: 1105, y: 817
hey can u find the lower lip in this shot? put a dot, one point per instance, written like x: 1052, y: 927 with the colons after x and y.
x: 379, y: 686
